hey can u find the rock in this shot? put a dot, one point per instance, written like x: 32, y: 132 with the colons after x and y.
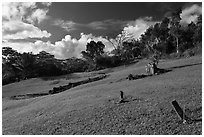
x: 130, y: 77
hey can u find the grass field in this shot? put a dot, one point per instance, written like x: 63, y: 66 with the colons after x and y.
x: 93, y: 108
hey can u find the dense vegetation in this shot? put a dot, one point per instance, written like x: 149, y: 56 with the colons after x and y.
x: 165, y: 39
x: 17, y: 66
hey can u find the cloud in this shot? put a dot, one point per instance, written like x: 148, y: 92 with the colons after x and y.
x: 38, y: 16
x: 20, y: 30
x: 107, y: 24
x: 67, y: 25
x: 25, y: 11
x: 95, y: 25
x: 19, y: 18
x: 65, y: 48
x: 47, y: 4
x: 16, y: 10
x: 190, y: 14
x: 71, y: 47
x: 138, y: 27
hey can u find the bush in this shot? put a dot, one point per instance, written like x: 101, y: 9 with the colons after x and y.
x: 8, y: 80
x: 198, y: 48
x: 48, y: 70
x: 175, y: 55
x: 108, y: 61
x: 188, y: 53
x: 8, y: 76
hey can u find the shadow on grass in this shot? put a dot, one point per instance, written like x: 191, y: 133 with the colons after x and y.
x: 182, y: 66
x: 190, y: 121
x: 196, y: 120
x: 127, y: 98
x: 162, y: 71
x: 135, y: 77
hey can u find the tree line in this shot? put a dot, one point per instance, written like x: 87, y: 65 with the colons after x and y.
x: 169, y: 38
x: 19, y: 66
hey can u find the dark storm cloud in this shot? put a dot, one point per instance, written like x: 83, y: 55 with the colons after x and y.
x: 108, y: 27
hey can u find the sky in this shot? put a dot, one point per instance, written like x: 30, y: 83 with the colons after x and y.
x: 64, y: 28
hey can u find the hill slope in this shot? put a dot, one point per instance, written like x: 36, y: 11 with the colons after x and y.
x: 93, y: 109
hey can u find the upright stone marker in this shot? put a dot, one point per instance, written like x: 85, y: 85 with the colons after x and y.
x: 179, y: 111
x: 121, y: 96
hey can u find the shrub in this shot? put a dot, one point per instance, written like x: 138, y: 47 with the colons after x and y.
x: 175, y: 55
x: 198, y: 48
x: 107, y: 61
x: 188, y: 53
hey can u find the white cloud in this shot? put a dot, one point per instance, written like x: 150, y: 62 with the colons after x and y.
x: 71, y: 47
x: 25, y: 11
x: 21, y: 30
x: 16, y: 10
x: 19, y: 18
x: 190, y: 14
x: 19, y: 46
x: 67, y: 25
x: 47, y: 3
x: 138, y: 27
x: 38, y: 16
x: 66, y: 48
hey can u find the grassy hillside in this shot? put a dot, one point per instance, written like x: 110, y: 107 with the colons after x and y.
x: 93, y: 109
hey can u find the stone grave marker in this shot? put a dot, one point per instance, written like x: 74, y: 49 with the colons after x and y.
x: 179, y: 111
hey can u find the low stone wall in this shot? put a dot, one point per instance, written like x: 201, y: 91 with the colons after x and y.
x: 17, y: 97
x: 71, y: 85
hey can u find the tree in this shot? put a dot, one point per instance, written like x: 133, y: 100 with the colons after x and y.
x: 20, y: 66
x: 149, y: 40
x: 27, y: 64
x: 9, y: 71
x: 130, y: 50
x: 44, y: 55
x: 197, y: 37
x: 156, y: 39
x: 47, y: 65
x: 127, y: 50
x: 111, y: 42
x: 9, y: 55
x: 93, y: 50
x: 186, y: 36
x: 175, y: 26
x: 11, y: 60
